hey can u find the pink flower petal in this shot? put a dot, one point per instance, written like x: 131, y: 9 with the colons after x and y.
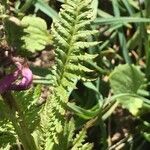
x: 26, y: 81
x: 6, y: 81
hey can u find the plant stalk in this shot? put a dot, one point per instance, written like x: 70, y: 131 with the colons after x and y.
x: 17, y: 118
x: 27, y: 5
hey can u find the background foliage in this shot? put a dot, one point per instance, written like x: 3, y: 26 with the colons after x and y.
x: 98, y: 88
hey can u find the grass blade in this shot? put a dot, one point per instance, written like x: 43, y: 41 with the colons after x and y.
x: 45, y: 8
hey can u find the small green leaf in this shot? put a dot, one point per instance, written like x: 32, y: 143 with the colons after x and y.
x: 126, y: 79
x: 133, y: 104
x: 146, y: 136
x: 37, y: 36
x: 27, y: 35
x: 95, y: 8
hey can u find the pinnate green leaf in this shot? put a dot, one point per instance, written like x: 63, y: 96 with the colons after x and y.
x: 37, y: 36
x: 27, y: 35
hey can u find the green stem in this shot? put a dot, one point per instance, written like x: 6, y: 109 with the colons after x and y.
x: 97, y: 68
x: 103, y: 139
x: 147, y: 5
x: 146, y: 43
x: 27, y: 5
x: 17, y: 118
x: 122, y: 38
x: 146, y: 39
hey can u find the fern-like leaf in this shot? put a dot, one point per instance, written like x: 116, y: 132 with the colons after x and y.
x: 27, y: 35
x: 78, y: 142
x: 27, y: 101
x: 69, y: 35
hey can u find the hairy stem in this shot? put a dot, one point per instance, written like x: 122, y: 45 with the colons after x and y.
x: 17, y: 118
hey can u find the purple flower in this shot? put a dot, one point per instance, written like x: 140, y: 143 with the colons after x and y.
x: 6, y: 82
x: 9, y: 81
x: 26, y: 80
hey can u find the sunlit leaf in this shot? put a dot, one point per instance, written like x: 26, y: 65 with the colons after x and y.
x: 128, y: 79
x: 36, y: 36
